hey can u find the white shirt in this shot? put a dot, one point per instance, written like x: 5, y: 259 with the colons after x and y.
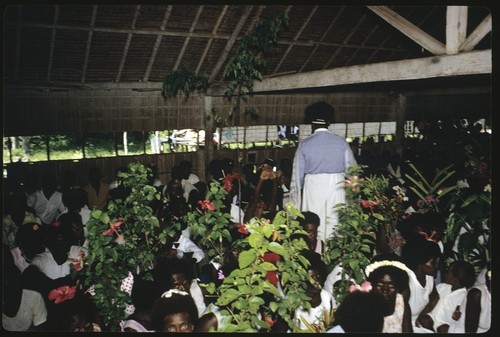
x: 314, y: 315
x: 32, y: 312
x: 46, y: 264
x: 46, y: 209
x: 185, y: 245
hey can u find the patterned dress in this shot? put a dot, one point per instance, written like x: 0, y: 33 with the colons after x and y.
x: 394, y: 323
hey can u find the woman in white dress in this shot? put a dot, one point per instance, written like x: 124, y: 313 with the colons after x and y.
x: 390, y: 278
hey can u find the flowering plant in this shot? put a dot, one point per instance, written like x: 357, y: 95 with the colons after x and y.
x: 123, y: 238
x: 209, y: 224
x: 270, y: 278
x: 429, y: 193
x: 367, y: 222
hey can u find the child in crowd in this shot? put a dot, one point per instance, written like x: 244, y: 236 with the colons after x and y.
x: 310, y: 223
x: 174, y: 312
x: 459, y: 277
x: 263, y: 202
x: 16, y: 213
x: 47, y: 201
x: 321, y: 302
x: 422, y: 258
x: 474, y: 313
x: 180, y: 274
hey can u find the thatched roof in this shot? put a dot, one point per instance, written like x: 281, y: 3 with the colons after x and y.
x: 75, y: 46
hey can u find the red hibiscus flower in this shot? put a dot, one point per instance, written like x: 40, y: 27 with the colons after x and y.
x: 206, y: 205
x: 62, y: 294
x: 272, y: 275
x: 112, y: 227
x: 242, y: 229
x: 78, y: 262
x: 228, y: 181
x: 269, y: 320
x: 368, y: 203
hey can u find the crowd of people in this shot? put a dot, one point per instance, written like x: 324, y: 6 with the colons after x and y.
x: 44, y: 234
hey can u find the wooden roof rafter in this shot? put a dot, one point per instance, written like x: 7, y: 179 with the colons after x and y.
x: 295, y: 38
x: 230, y: 43
x: 186, y: 40
x: 210, y: 40
x: 477, y: 35
x: 322, y: 38
x: 157, y: 43
x: 89, y: 43
x: 344, y: 43
x: 410, y: 30
x: 137, y: 11
x: 365, y: 40
x: 52, y: 44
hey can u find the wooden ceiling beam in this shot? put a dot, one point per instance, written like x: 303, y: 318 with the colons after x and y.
x: 409, y: 29
x: 456, y: 28
x: 325, y: 33
x: 194, y: 34
x: 348, y: 37
x: 210, y: 40
x: 156, y: 46
x: 52, y: 44
x: 477, y: 35
x: 295, y: 38
x: 89, y: 43
x: 127, y: 44
x: 230, y: 43
x: 478, y: 62
x: 186, y: 40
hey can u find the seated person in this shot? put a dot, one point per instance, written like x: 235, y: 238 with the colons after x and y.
x: 359, y: 312
x: 174, y: 312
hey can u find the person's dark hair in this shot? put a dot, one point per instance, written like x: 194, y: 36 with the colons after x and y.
x: 30, y: 238
x: 316, y: 262
x: 416, y: 222
x: 418, y: 251
x: 309, y: 218
x: 361, y: 312
x: 74, y: 198
x: 399, y: 276
x: 174, y: 304
x: 145, y: 292
x: 319, y: 111
x: 166, y: 267
x: 176, y: 173
x: 215, y: 168
x: 464, y: 272
x: 227, y: 165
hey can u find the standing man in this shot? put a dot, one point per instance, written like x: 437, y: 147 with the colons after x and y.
x: 319, y: 169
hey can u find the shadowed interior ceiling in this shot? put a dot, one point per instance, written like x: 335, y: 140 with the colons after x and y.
x: 83, y: 46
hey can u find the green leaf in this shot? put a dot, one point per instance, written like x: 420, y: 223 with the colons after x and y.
x: 255, y: 239
x: 246, y: 258
x: 275, y: 247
